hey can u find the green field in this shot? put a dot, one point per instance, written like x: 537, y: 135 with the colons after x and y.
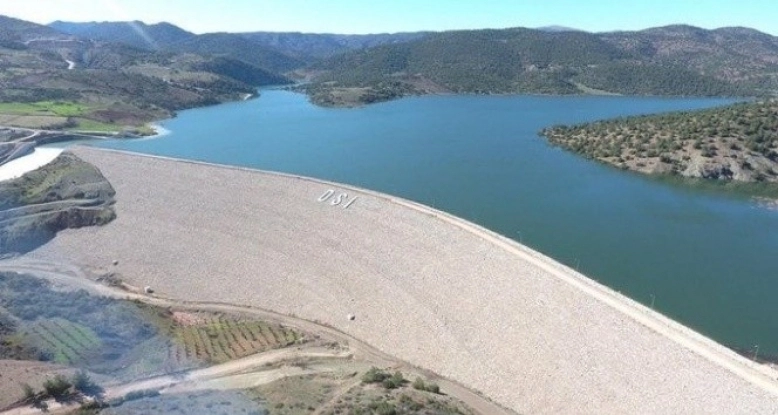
x: 55, y: 108
x: 64, y: 341
x: 219, y: 338
x: 83, y: 124
x: 56, y: 115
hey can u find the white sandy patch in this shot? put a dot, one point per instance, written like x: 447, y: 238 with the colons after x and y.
x: 159, y: 130
x: 17, y: 167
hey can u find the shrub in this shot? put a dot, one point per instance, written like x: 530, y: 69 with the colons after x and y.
x: 385, y: 408
x: 418, y: 384
x: 84, y: 384
x: 374, y: 375
x: 29, y: 392
x: 58, y: 387
x: 145, y: 393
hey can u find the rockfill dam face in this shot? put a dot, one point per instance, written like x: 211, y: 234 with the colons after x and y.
x: 429, y: 288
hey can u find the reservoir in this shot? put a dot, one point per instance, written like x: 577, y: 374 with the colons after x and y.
x: 704, y: 257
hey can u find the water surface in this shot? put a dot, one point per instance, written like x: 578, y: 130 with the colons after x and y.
x: 705, y: 258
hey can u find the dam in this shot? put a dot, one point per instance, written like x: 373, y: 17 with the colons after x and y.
x: 429, y: 288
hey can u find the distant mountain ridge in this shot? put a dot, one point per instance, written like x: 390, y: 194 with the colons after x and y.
x: 278, y: 52
x: 557, y: 28
x: 674, y: 61
x: 135, y: 33
x: 677, y: 60
x: 312, y: 46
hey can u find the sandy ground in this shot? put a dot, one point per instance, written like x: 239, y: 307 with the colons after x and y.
x: 17, y: 167
x: 13, y: 373
x: 429, y: 288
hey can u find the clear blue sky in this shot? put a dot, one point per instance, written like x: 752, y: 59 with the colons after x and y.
x: 375, y: 16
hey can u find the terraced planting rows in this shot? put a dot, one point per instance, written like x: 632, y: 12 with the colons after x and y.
x: 219, y: 338
x: 62, y: 340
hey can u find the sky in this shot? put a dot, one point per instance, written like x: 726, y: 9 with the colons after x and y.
x: 382, y: 16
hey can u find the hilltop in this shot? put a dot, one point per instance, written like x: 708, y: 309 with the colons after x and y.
x: 275, y: 51
x: 668, y: 61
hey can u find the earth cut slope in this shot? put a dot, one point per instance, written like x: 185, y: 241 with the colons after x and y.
x: 429, y: 288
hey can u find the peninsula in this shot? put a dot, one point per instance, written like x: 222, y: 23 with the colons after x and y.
x: 732, y: 144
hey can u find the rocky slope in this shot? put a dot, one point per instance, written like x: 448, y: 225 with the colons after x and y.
x: 66, y: 193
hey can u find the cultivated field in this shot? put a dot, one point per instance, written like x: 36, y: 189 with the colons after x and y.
x: 65, y: 342
x: 219, y: 338
x: 428, y: 288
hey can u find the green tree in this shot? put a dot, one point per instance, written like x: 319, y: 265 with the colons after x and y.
x: 83, y: 383
x: 57, y: 387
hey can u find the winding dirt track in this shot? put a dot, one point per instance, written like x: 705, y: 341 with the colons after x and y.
x: 431, y: 289
x: 202, y: 378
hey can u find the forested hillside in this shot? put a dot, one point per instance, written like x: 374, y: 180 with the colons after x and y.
x: 671, y: 61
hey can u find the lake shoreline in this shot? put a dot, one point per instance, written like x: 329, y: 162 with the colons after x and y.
x: 480, y: 158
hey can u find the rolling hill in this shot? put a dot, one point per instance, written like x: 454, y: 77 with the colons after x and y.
x: 676, y: 60
x: 310, y: 47
x: 51, y: 79
x: 673, y: 61
x: 135, y: 33
x: 165, y: 37
x: 279, y: 52
x: 237, y: 47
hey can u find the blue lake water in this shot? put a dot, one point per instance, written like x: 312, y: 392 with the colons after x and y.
x: 707, y: 258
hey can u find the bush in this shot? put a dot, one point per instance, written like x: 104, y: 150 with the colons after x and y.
x: 418, y: 384
x: 29, y: 392
x: 385, y: 408
x: 395, y: 381
x: 58, y: 387
x: 374, y: 375
x: 84, y: 384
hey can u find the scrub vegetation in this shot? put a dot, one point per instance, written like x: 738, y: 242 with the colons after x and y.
x: 736, y: 143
